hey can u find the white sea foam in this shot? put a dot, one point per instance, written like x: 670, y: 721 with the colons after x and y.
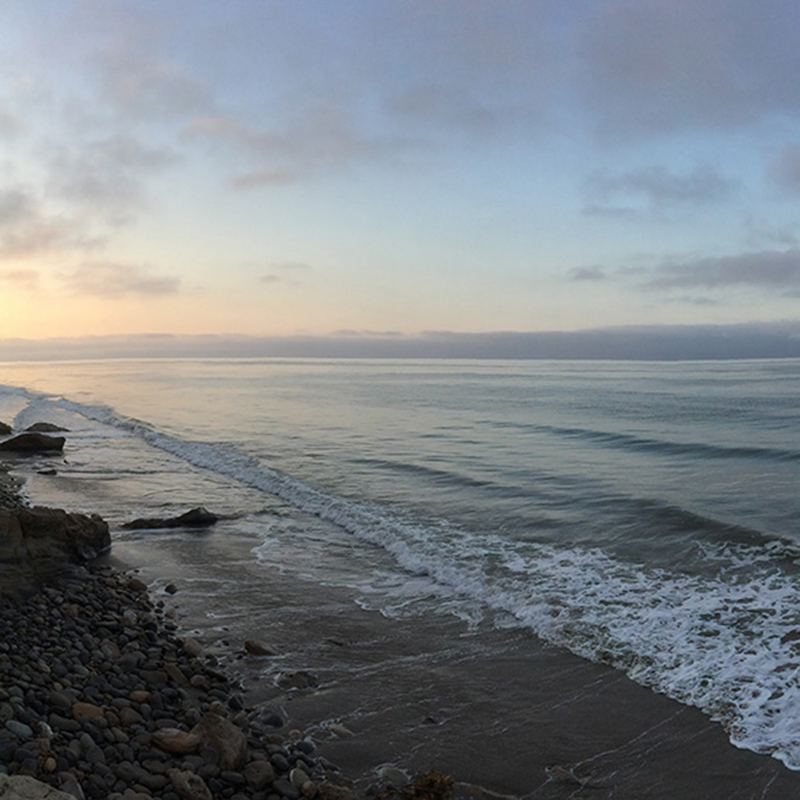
x: 728, y: 644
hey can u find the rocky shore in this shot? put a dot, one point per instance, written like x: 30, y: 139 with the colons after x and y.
x: 100, y: 698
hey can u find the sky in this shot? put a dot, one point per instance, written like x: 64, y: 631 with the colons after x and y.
x: 393, y: 168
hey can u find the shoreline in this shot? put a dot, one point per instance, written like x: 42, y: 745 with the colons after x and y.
x: 641, y: 744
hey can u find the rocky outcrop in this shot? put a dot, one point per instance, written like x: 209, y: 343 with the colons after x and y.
x: 33, y: 443
x: 196, y: 518
x: 5, y: 430
x: 36, y: 544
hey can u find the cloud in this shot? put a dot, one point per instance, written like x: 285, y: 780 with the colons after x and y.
x: 9, y: 124
x: 323, y: 137
x: 26, y: 278
x: 669, y: 65
x: 655, y: 187
x: 771, y: 270
x: 588, y: 274
x: 116, y: 280
x: 26, y: 230
x: 286, y: 272
x: 145, y: 86
x: 785, y: 169
x: 107, y: 176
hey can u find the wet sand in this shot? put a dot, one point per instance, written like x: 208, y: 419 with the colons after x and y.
x: 494, y: 707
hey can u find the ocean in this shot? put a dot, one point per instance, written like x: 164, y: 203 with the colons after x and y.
x: 492, y: 567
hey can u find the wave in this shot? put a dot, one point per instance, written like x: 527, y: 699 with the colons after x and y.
x: 665, y: 447
x: 728, y: 644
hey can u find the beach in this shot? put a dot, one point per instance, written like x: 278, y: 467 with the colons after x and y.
x: 548, y: 600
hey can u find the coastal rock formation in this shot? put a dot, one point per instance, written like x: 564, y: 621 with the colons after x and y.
x: 196, y: 518
x: 5, y: 430
x: 33, y: 443
x: 38, y: 543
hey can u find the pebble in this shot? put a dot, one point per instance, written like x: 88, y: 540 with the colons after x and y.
x: 124, y: 709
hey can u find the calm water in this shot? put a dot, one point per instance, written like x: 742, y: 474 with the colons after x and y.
x: 641, y: 515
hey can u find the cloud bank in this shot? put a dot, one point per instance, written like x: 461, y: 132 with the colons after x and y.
x: 643, y: 343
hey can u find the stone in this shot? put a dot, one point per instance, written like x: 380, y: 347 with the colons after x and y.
x: 5, y: 430
x: 33, y: 443
x: 136, y: 585
x: 196, y: 518
x: 258, y: 774
x: 176, y: 742
x: 46, y: 427
x: 332, y: 791
x: 257, y: 648
x: 297, y: 679
x: 192, y: 647
x: 339, y: 730
x: 470, y: 791
x: 285, y: 788
x: 216, y: 732
x: 393, y: 775
x: 23, y: 787
x: 189, y: 785
x: 86, y: 712
x: 19, y: 729
x: 176, y: 673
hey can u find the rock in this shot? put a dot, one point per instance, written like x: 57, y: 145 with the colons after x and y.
x: 171, y: 588
x: 217, y: 732
x: 19, y: 729
x: 46, y: 427
x: 136, y: 585
x: 192, y: 647
x: 297, y: 679
x: 188, y: 785
x: 331, y: 791
x: 177, y: 742
x: 196, y: 518
x: 339, y: 730
x: 5, y: 430
x: 469, y: 791
x: 87, y: 712
x: 259, y: 774
x: 37, y: 544
x: 33, y: 443
x: 256, y: 648
x: 176, y: 673
x: 23, y: 787
x: 393, y: 775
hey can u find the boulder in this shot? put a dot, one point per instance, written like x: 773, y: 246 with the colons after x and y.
x: 217, y: 732
x: 37, y: 544
x: 5, y: 430
x: 196, y: 518
x: 23, y: 787
x: 46, y: 427
x: 33, y: 443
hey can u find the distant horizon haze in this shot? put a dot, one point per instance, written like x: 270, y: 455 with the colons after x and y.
x: 645, y: 343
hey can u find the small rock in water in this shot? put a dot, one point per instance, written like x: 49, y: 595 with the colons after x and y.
x: 297, y: 679
x: 46, y: 427
x: 170, y: 588
x: 33, y: 443
x: 257, y: 648
x: 339, y: 730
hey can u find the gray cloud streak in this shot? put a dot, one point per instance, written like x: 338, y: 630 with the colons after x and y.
x: 769, y: 269
x: 115, y: 280
x: 658, y: 187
